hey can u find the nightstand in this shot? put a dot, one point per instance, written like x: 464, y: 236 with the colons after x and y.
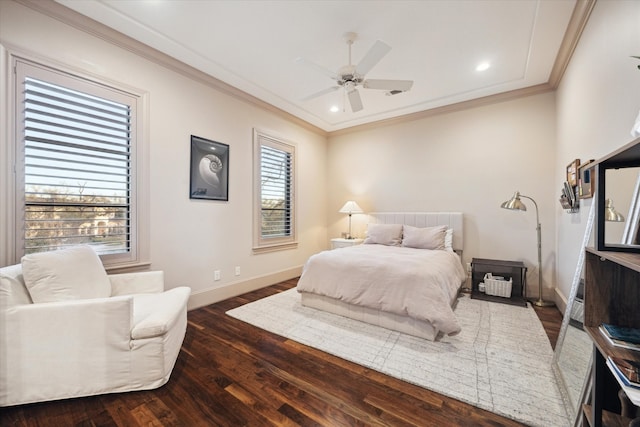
x: 508, y: 269
x: 344, y: 243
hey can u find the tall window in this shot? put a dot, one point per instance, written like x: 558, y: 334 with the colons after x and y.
x: 77, y: 158
x: 274, y: 167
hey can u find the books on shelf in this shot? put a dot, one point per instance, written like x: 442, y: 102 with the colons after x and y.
x: 631, y: 335
x: 615, y: 340
x: 627, y: 370
x: 632, y: 392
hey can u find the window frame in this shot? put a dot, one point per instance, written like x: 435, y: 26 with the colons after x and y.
x: 268, y: 244
x: 138, y: 252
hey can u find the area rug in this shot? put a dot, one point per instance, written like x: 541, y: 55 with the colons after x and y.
x: 501, y: 361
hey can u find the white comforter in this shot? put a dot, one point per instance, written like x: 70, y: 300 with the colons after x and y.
x: 419, y: 283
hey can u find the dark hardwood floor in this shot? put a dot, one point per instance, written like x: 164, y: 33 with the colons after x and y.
x: 232, y: 374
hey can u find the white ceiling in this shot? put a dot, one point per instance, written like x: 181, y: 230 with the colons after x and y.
x: 253, y: 46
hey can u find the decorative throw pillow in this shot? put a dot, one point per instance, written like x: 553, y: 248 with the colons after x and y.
x: 424, y: 238
x: 73, y: 273
x: 384, y: 234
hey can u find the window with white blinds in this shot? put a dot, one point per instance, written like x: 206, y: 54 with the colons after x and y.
x: 77, y: 163
x: 275, y: 204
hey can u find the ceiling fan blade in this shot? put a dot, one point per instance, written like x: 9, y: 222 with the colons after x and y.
x: 317, y: 67
x: 354, y: 100
x: 400, y: 85
x: 322, y: 92
x: 375, y: 54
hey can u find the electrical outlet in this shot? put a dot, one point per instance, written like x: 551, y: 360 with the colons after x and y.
x: 237, y: 270
x: 216, y: 275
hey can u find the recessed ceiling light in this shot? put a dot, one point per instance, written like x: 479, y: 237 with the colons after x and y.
x: 483, y: 66
x: 334, y: 109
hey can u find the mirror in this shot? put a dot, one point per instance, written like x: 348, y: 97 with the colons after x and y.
x: 572, y: 357
x: 620, y: 189
x: 617, y: 183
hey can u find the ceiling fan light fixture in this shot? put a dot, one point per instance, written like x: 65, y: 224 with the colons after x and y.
x: 350, y: 76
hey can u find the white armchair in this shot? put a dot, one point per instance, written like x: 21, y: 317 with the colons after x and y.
x: 71, y: 347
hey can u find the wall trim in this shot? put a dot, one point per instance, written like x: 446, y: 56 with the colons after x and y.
x: 210, y: 296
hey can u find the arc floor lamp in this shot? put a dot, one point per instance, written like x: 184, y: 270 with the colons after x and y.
x: 516, y: 204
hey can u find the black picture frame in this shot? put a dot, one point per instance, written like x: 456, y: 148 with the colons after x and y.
x: 209, y: 177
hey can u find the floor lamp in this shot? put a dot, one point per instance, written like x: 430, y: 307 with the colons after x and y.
x: 350, y: 207
x: 516, y: 204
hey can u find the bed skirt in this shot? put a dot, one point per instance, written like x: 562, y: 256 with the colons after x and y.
x: 395, y: 322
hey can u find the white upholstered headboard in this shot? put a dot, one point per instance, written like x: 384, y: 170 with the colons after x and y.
x: 425, y: 219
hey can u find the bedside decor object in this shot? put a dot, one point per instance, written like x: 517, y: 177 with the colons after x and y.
x: 350, y: 208
x: 497, y: 285
x: 516, y: 204
x: 209, y: 170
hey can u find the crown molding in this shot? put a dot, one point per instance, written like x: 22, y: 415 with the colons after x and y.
x: 450, y: 108
x: 579, y: 18
x: 83, y: 23
x: 577, y: 23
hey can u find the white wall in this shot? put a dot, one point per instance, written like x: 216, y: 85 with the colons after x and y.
x: 469, y: 161
x: 189, y: 238
x: 597, y: 103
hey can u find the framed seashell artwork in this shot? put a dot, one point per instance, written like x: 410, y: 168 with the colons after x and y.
x: 209, y: 170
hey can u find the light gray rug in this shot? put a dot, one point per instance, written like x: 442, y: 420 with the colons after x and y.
x: 501, y: 361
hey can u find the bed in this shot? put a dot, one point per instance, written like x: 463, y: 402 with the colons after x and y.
x: 396, y: 284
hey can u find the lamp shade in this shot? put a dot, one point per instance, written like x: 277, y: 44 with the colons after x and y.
x: 514, y: 203
x: 351, y: 207
x: 610, y: 213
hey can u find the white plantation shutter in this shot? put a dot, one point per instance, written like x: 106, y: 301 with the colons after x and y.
x: 275, y: 204
x: 77, y: 163
x: 276, y: 192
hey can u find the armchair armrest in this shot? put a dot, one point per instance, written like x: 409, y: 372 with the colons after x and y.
x: 146, y: 282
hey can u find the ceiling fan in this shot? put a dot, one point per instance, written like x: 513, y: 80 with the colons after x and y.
x: 351, y: 76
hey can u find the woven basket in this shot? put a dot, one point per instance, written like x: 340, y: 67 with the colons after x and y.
x: 497, y: 287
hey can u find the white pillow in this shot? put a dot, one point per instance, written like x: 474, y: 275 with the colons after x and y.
x: 68, y: 274
x: 424, y: 238
x: 448, y: 240
x: 384, y: 234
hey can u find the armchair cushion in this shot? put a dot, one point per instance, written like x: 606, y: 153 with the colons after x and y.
x: 12, y: 290
x: 68, y: 274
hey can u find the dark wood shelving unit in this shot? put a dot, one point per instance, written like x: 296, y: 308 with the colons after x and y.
x: 612, y: 295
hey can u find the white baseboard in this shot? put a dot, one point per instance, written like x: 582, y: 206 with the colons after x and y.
x: 560, y: 300
x: 210, y: 296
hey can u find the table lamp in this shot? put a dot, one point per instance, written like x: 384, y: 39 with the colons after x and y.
x: 350, y: 207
